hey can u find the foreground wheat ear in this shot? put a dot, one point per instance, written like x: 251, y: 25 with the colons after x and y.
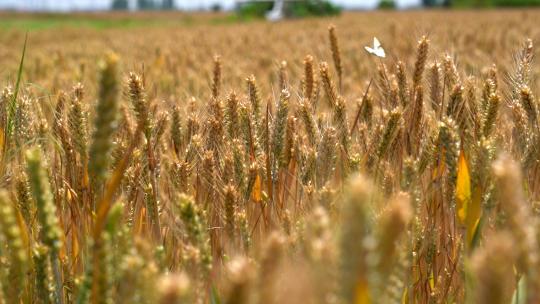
x: 411, y: 179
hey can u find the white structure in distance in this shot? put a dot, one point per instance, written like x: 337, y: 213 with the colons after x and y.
x: 276, y: 13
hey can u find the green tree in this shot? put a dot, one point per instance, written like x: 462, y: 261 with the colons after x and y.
x: 431, y: 3
x: 167, y: 4
x: 146, y: 4
x: 294, y: 9
x: 120, y: 5
x: 517, y: 2
x: 387, y: 4
x: 472, y: 3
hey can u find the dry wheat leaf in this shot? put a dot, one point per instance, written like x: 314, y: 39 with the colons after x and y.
x: 463, y: 188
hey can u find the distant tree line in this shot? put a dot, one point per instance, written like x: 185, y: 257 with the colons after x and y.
x: 293, y: 9
x: 431, y: 3
x: 390, y: 4
x: 144, y: 4
x: 480, y: 3
x: 495, y: 3
x: 320, y: 7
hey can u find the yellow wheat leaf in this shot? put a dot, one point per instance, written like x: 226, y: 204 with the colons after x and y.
x: 160, y: 61
x: 86, y: 179
x: 474, y: 211
x: 2, y: 139
x: 256, y: 194
x: 75, y: 248
x: 25, y: 237
x: 405, y: 296
x: 362, y: 293
x: 463, y: 188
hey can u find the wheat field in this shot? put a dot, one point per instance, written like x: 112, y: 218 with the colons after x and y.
x: 199, y: 159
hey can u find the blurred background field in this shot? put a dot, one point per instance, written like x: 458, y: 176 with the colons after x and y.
x: 63, y: 47
x: 228, y: 5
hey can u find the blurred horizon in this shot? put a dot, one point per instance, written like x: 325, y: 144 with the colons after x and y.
x: 189, y: 5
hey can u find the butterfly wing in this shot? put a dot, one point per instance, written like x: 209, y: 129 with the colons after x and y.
x: 370, y: 50
x: 376, y: 43
x: 377, y: 49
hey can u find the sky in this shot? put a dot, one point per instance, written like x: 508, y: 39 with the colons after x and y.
x: 67, y: 5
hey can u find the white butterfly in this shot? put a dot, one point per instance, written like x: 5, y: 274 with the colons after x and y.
x: 377, y: 49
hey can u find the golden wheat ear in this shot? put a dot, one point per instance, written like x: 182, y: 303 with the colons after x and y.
x: 492, y: 268
x: 336, y: 54
x: 12, y: 235
x: 216, y: 77
x: 241, y: 273
x: 105, y: 121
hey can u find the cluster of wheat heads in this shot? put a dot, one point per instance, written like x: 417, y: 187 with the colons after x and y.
x: 424, y: 190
